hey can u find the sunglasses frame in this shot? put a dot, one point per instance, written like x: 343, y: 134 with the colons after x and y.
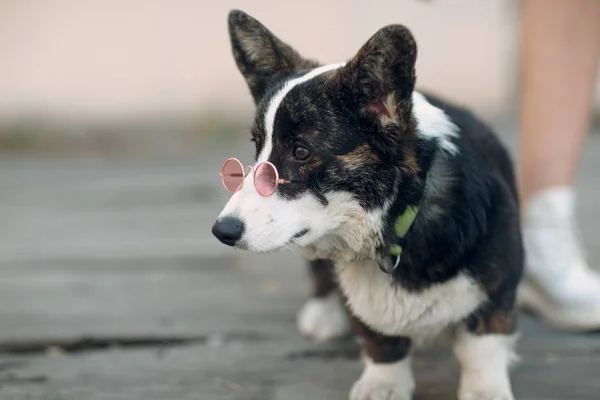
x: 249, y: 169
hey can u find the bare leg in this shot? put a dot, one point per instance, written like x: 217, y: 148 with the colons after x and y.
x: 560, y: 50
x: 323, y: 316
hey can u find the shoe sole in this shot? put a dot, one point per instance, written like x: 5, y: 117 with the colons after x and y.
x: 536, y: 301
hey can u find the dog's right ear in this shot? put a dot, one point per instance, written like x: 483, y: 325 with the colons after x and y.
x: 259, y: 54
x: 380, y: 79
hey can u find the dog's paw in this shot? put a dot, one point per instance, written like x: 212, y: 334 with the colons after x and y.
x: 489, y: 386
x: 368, y: 389
x: 486, y: 394
x: 393, y: 381
x: 323, y: 318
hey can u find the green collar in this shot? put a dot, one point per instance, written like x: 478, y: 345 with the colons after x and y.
x: 402, y: 226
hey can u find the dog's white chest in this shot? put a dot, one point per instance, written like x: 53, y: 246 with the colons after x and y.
x: 392, y: 310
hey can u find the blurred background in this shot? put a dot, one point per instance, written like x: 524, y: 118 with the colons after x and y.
x: 95, y: 72
x: 115, y: 117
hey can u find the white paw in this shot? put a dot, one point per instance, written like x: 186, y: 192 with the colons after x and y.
x: 392, y: 381
x: 485, y: 394
x: 365, y: 389
x: 323, y: 318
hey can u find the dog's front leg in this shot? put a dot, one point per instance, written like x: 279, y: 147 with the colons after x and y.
x: 484, y: 347
x: 387, y: 374
x: 323, y: 317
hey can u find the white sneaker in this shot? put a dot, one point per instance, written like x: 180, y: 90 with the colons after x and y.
x: 559, y: 286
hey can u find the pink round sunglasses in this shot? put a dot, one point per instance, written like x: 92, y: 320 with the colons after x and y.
x: 266, y: 177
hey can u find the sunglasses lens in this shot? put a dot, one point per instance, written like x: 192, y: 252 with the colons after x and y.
x: 265, y: 179
x: 232, y: 175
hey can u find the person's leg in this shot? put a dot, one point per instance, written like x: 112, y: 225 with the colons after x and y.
x: 560, y: 50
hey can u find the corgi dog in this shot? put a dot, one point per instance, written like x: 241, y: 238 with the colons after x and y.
x: 409, y: 203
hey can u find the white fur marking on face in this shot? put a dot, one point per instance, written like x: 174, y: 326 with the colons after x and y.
x: 484, y: 361
x: 433, y: 123
x: 324, y: 318
x: 271, y: 222
x: 392, y: 310
x: 392, y: 381
x: 345, y: 231
x: 276, y: 101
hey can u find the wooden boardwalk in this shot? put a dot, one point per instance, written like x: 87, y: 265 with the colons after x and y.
x: 111, y: 287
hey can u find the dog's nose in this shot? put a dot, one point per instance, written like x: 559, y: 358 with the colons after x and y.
x: 228, y: 230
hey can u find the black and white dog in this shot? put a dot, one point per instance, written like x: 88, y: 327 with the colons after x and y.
x: 409, y: 202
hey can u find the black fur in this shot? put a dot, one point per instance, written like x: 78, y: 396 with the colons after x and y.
x: 481, y: 219
x: 359, y: 125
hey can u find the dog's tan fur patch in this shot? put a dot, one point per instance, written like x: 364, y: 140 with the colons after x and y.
x: 410, y: 166
x: 497, y: 322
x: 362, y: 155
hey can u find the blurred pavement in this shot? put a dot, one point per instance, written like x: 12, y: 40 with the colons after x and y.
x: 112, y: 287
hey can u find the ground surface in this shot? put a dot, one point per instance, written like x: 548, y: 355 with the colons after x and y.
x: 111, y: 287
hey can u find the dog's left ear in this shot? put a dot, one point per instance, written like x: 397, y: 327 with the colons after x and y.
x: 259, y: 54
x: 381, y: 77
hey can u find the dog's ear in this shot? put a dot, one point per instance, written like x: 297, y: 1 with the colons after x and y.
x: 259, y: 54
x: 381, y: 77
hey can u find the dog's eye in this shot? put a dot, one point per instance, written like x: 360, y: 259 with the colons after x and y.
x: 301, y: 153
